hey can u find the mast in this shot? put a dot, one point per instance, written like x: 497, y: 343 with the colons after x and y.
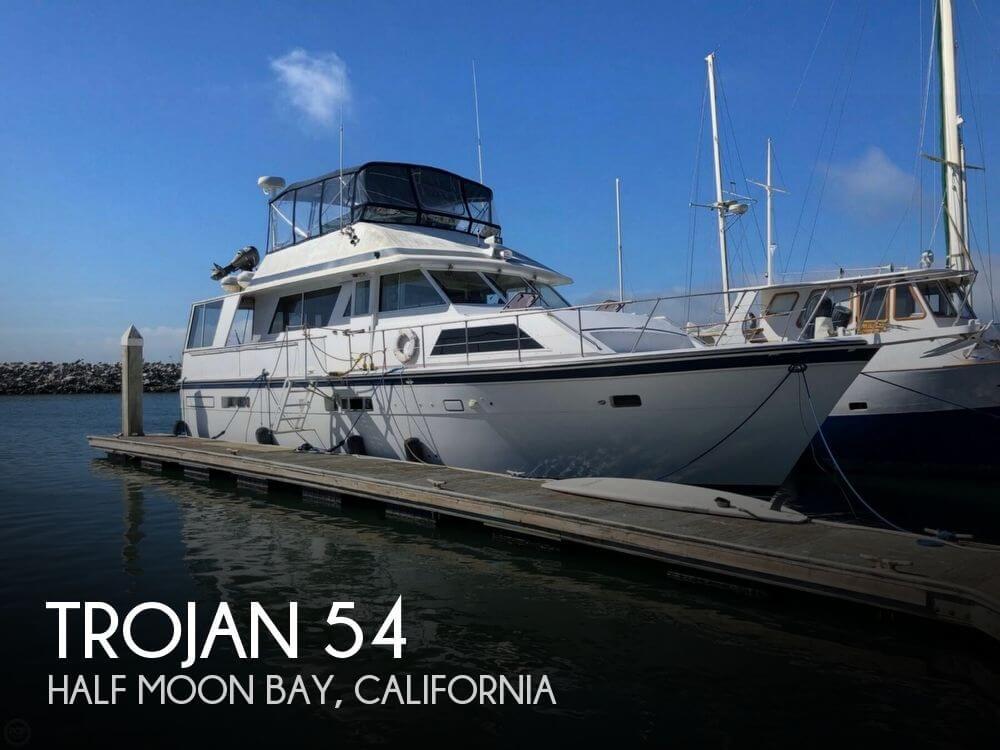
x: 720, y: 205
x: 952, y: 153
x: 770, y: 219
x: 618, y: 219
x: 770, y: 189
x: 479, y: 137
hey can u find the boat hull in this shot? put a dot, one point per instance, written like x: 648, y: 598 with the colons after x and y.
x: 943, y: 412
x: 738, y: 420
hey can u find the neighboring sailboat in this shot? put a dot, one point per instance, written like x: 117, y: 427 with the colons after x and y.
x: 931, y: 396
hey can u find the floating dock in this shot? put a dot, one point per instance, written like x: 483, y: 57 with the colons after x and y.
x: 950, y: 583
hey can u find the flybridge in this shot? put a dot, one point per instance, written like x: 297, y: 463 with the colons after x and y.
x: 384, y: 192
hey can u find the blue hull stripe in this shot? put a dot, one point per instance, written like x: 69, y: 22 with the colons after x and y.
x: 771, y: 357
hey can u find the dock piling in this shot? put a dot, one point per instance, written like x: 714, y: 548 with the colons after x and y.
x: 132, y: 382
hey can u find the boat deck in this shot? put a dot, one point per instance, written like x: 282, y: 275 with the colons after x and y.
x: 951, y: 583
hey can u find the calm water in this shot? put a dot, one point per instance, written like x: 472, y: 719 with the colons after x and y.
x: 634, y: 651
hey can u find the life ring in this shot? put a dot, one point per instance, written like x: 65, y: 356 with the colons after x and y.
x: 407, y: 346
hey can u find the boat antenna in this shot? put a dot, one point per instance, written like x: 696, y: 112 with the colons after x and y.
x: 340, y: 173
x: 770, y: 189
x: 479, y: 136
x: 618, y: 220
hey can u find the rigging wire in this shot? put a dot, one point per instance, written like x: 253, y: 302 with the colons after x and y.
x: 805, y: 71
x: 987, y: 264
x: 693, y: 219
x: 836, y: 134
x: 918, y: 160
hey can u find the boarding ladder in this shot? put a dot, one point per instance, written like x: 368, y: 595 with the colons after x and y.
x: 295, y: 403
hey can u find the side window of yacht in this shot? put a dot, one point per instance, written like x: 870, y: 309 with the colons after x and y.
x: 309, y: 310
x: 498, y: 338
x: 465, y: 288
x: 204, y: 321
x: 403, y: 291
x: 873, y: 305
x: 288, y: 314
x: 318, y: 306
x: 942, y: 299
x: 834, y: 303
x: 782, y: 304
x: 362, y: 298
x: 241, y: 330
x: 905, y: 305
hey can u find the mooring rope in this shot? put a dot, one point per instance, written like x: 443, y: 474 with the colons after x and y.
x: 733, y: 431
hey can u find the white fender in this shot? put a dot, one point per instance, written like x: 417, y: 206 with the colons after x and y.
x: 406, y: 346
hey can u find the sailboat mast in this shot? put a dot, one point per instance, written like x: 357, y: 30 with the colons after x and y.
x: 770, y: 219
x: 952, y: 167
x: 720, y: 206
x: 618, y: 221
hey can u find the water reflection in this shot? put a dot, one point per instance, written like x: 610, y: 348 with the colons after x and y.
x: 641, y: 655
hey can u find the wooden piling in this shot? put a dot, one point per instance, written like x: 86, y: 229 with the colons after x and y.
x: 132, y: 382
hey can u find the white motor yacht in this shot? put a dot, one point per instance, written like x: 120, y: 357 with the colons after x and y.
x: 388, y: 318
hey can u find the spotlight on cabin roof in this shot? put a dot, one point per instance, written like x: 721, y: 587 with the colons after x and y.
x: 270, y: 185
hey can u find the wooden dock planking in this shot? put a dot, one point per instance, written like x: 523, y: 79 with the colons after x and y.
x: 954, y: 584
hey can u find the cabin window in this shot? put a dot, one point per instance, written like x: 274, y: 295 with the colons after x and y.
x: 465, y: 288
x: 943, y: 299
x: 235, y: 402
x: 204, y: 321
x: 308, y: 310
x: 282, y: 214
x: 241, y: 330
x: 403, y: 291
x: 362, y: 297
x: 782, y: 304
x: 905, y: 305
x: 317, y: 307
x: 833, y: 303
x: 873, y: 304
x: 499, y: 338
x: 288, y: 314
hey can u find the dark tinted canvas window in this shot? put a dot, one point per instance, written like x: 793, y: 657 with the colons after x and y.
x: 499, y: 338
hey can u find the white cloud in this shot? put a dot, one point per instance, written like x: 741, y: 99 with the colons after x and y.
x: 317, y: 85
x: 871, y: 187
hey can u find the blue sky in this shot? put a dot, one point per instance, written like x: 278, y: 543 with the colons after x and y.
x: 132, y: 136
